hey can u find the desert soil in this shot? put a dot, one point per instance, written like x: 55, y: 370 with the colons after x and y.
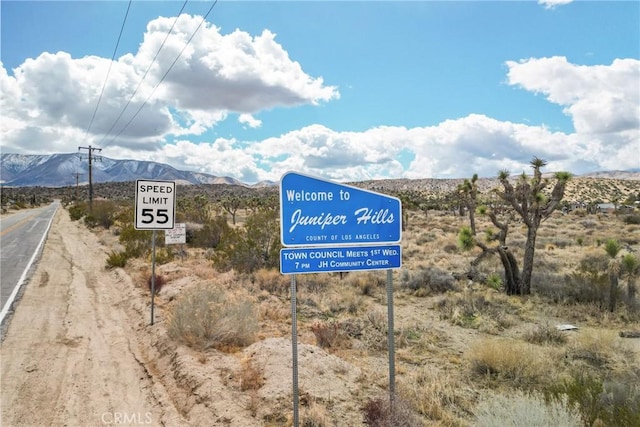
x: 80, y: 351
x: 70, y: 355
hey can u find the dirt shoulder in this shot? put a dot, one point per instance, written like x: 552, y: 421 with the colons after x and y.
x: 69, y: 355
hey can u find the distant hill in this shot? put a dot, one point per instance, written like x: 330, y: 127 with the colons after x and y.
x: 61, y: 170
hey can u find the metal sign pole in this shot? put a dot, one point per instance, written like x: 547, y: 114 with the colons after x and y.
x: 390, y: 338
x: 153, y: 272
x: 294, y: 349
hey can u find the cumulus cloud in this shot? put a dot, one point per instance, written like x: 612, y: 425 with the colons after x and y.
x: 249, y: 120
x: 217, y: 74
x: 598, y: 98
x: 603, y: 102
x: 452, y: 149
x: 47, y: 104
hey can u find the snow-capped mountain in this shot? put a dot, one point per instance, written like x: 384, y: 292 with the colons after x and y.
x: 60, y: 170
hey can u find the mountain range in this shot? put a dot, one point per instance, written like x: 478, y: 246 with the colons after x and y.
x: 62, y: 170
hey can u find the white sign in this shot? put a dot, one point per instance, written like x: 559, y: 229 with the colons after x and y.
x: 177, y: 235
x: 155, y: 205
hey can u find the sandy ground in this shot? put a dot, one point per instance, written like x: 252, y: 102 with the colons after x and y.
x: 80, y: 351
x: 68, y: 357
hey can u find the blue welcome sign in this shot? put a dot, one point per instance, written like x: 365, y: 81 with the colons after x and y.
x: 318, y: 212
x: 327, y: 259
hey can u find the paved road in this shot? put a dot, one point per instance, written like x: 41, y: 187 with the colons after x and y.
x: 21, y: 237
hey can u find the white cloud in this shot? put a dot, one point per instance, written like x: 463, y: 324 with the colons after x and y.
x: 452, y: 149
x: 600, y: 99
x: 216, y: 74
x: 249, y: 120
x: 551, y: 4
x: 48, y: 101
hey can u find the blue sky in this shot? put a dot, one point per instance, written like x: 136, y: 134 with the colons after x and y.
x: 344, y: 90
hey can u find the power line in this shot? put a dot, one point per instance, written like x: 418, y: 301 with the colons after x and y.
x: 145, y: 73
x: 104, y: 84
x: 165, y: 74
x: 91, y: 149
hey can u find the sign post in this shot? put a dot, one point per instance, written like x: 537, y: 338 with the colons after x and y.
x: 155, y: 208
x: 326, y: 226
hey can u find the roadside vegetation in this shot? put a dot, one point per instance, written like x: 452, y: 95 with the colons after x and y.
x: 477, y: 337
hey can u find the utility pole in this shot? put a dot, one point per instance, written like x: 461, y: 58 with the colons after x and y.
x: 90, y: 150
x: 77, y: 175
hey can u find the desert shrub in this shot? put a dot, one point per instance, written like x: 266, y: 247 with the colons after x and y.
x: 632, y: 219
x: 366, y: 283
x: 206, y: 317
x: 208, y: 235
x: 103, y: 213
x: 427, y: 281
x: 158, y: 282
x: 312, y: 282
x: 164, y: 255
x: 90, y: 221
x: 519, y: 363
x: 255, y: 246
x: 329, y: 334
x: 77, y: 211
x: 545, y: 334
x: 251, y: 375
x: 588, y: 284
x: 378, y: 412
x: 600, y: 402
x: 116, y: 259
x: 470, y: 309
x: 136, y: 242
x: 315, y: 415
x: 271, y: 281
x: 596, y: 348
x: 494, y: 281
x: 589, y: 223
x: 435, y: 395
x: 549, y: 284
x: 525, y: 410
x: 579, y: 212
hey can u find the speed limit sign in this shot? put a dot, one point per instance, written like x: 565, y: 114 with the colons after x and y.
x: 155, y: 205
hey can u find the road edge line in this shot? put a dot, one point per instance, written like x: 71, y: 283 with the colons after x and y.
x: 23, y: 277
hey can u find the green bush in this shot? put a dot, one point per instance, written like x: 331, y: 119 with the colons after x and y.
x: 494, y: 281
x: 253, y: 247
x: 117, y: 259
x: 90, y: 221
x: 210, y: 234
x: 104, y: 213
x: 205, y: 317
x: 605, y: 403
x: 77, y: 211
x: 137, y: 243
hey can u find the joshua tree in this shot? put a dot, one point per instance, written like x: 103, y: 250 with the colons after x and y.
x: 612, y: 248
x: 231, y: 204
x: 469, y: 194
x: 630, y: 266
x: 529, y: 202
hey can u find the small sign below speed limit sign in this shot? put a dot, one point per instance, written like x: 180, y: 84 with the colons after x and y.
x: 155, y: 205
